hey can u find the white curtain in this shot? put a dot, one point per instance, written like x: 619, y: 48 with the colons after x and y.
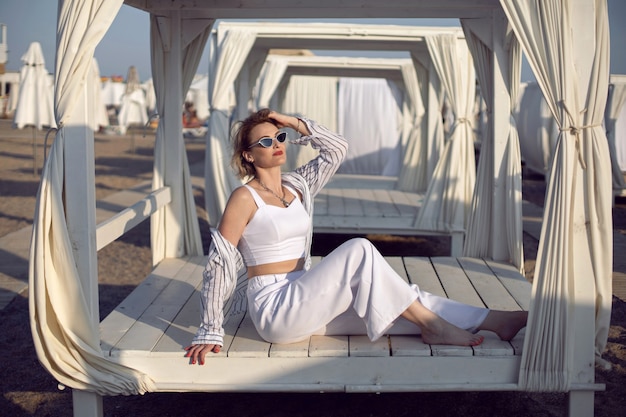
x: 447, y: 201
x: 614, y: 107
x: 575, y: 250
x: 182, y: 207
x: 313, y: 97
x: 537, y: 129
x: 271, y: 75
x: 411, y: 176
x: 229, y: 52
x: 100, y: 118
x: 620, y: 139
x: 478, y: 239
x: 66, y: 341
x: 367, y: 113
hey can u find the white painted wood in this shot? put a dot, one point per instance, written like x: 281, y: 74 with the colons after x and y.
x: 422, y: 273
x: 253, y: 9
x: 513, y: 281
x: 580, y: 403
x: 500, y: 120
x: 290, y: 350
x: 248, y: 343
x: 329, y: 346
x: 455, y: 282
x: 493, y: 294
x: 116, y: 324
x: 408, y: 346
x: 125, y: 220
x: 361, y: 346
x: 172, y: 122
x: 87, y: 404
x: 145, y: 333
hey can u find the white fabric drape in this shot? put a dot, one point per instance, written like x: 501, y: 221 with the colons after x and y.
x: 314, y: 97
x: 616, y: 100
x: 478, y: 239
x: 537, y: 129
x: 447, y: 201
x: 620, y: 139
x: 367, y: 113
x: 575, y: 250
x: 412, y: 166
x: 271, y: 75
x: 100, y: 118
x: 67, y: 343
x: 189, y: 229
x: 229, y: 55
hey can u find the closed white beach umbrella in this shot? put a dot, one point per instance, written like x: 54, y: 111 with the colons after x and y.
x: 133, y: 108
x: 34, y: 103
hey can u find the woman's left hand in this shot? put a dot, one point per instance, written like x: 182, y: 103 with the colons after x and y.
x: 196, y: 353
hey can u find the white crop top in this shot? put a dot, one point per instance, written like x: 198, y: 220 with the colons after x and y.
x: 275, y: 233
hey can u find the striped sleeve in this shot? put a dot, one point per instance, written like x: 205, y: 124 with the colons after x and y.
x: 220, y: 280
x: 333, y: 149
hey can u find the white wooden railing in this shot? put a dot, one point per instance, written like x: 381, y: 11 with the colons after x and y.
x: 114, y: 227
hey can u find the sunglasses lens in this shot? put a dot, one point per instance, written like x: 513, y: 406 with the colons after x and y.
x: 266, y: 142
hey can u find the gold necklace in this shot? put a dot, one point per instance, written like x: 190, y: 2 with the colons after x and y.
x: 282, y: 199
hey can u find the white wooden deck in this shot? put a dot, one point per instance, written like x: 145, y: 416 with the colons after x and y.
x: 149, y: 330
x: 368, y: 204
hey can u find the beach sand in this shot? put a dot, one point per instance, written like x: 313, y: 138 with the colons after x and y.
x: 125, y: 161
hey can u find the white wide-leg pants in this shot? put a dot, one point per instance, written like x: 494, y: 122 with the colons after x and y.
x: 353, y: 290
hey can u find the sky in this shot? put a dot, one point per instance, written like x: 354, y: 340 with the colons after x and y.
x: 127, y: 43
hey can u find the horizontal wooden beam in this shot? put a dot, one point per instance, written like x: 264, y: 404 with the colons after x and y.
x: 267, y: 9
x: 125, y: 220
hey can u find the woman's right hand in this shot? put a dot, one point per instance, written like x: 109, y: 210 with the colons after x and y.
x: 198, y: 352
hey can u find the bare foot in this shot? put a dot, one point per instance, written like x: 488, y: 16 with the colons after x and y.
x: 437, y: 331
x: 441, y: 332
x: 506, y: 324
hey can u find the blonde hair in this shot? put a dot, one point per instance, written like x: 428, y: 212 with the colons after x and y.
x: 241, y: 142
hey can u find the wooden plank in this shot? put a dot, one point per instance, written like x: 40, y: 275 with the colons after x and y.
x: 493, y: 346
x: 247, y: 342
x: 455, y: 282
x: 397, y: 264
x: 362, y: 346
x: 385, y: 203
x: 117, y: 323
x: 408, y: 346
x: 335, y: 203
x: 406, y: 206
x: 352, y: 203
x: 150, y: 326
x: 290, y: 350
x: 491, y: 291
x: 514, y: 282
x: 422, y: 273
x: 329, y: 346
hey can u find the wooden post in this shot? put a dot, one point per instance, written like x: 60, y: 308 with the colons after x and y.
x: 583, y: 317
x: 500, y: 121
x: 80, y: 215
x: 173, y: 128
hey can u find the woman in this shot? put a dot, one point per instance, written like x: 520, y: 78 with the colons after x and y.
x: 267, y: 225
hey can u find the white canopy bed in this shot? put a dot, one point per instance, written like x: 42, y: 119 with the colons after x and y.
x: 571, y: 292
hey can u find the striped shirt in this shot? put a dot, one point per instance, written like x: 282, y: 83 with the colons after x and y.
x: 224, y: 278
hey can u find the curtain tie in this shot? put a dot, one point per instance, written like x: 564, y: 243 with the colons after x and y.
x: 576, y: 131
